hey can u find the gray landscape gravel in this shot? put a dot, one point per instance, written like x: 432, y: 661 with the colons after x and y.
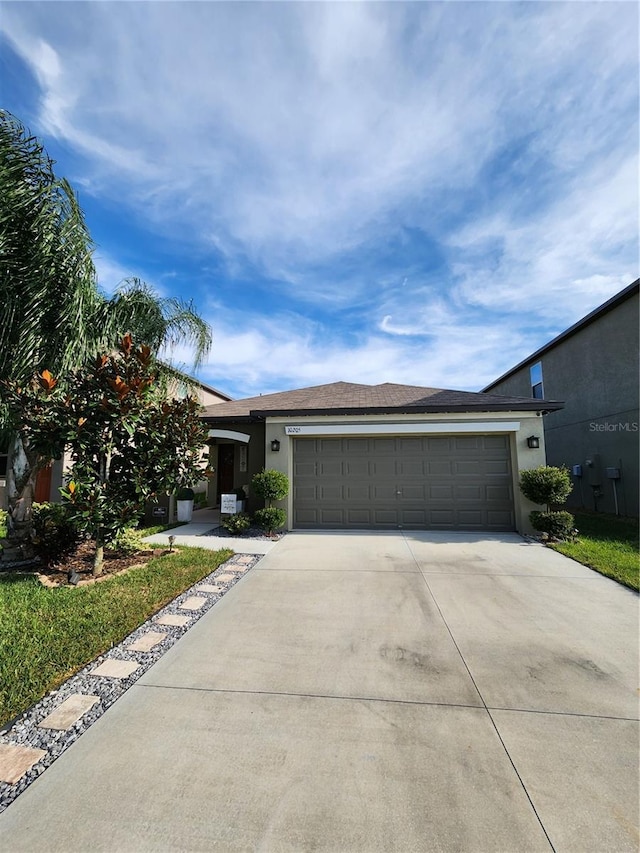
x: 24, y: 731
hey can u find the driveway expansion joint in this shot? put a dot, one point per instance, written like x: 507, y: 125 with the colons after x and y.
x: 486, y: 708
x: 338, y: 698
x: 27, y: 748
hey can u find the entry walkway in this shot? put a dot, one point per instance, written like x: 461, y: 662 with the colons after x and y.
x: 200, y: 532
x: 369, y: 692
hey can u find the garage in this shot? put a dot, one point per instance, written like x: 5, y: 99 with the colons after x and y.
x: 391, y: 456
x: 455, y: 482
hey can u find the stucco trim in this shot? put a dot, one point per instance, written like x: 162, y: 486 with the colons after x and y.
x: 401, y: 428
x: 229, y: 433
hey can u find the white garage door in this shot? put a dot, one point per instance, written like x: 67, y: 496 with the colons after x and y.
x: 457, y: 482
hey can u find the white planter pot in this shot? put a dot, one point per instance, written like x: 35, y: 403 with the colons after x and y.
x: 185, y: 510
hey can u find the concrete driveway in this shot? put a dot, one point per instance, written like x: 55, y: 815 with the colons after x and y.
x: 370, y: 692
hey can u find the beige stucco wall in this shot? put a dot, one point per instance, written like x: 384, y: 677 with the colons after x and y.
x: 522, y: 457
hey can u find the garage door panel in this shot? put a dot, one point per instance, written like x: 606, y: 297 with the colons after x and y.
x: 411, y: 469
x: 437, y: 444
x: 439, y: 468
x: 442, y: 482
x: 383, y: 469
x: 410, y: 446
x: 468, y: 468
x: 330, y: 446
x: 359, y: 518
x: 467, y: 444
x: 385, y: 517
x: 439, y: 492
x: 307, y: 449
x: 305, y: 495
x: 385, y: 492
x: 504, y: 494
x: 329, y: 468
x: 498, y: 467
x: 383, y: 446
x: 442, y: 518
x: 470, y: 492
x: 360, y: 493
x: 354, y: 468
x: 329, y: 493
x: 415, y: 518
x: 307, y: 516
x: 412, y: 492
x: 304, y: 469
x: 331, y: 517
x: 357, y: 445
x: 470, y: 517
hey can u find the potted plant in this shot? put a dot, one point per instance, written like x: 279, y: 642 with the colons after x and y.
x: 184, y: 500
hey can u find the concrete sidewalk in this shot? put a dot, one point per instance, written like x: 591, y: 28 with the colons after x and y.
x: 370, y: 692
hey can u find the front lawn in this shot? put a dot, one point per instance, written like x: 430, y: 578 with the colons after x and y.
x: 607, y: 544
x: 48, y: 634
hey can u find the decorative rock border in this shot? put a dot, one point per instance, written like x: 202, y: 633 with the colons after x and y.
x: 35, y: 739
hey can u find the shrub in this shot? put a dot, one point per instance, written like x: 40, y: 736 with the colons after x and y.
x: 237, y: 524
x: 129, y: 541
x: 557, y: 524
x: 270, y: 518
x: 55, y: 536
x: 270, y: 485
x: 546, y: 485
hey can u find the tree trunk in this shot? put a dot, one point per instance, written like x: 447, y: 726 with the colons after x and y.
x: 22, y: 471
x: 99, y: 555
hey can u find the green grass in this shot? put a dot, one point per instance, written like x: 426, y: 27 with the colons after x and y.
x: 48, y: 634
x: 152, y: 529
x: 607, y: 544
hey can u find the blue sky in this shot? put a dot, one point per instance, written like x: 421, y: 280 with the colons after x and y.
x: 420, y: 193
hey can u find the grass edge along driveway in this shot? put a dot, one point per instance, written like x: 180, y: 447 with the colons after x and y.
x: 608, y: 544
x: 46, y: 635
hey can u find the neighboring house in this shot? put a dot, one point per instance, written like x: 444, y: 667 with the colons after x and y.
x: 593, y: 367
x: 384, y: 456
x: 50, y: 478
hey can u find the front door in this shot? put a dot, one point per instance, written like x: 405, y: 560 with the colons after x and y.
x: 225, y: 469
x: 42, y: 491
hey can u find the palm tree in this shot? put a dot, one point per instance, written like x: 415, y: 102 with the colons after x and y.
x: 53, y: 314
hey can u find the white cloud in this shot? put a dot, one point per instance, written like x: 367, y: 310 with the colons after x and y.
x: 296, y: 131
x: 563, y: 264
x: 295, y: 139
x: 289, y: 351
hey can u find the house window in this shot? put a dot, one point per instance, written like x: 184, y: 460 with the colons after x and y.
x: 535, y: 373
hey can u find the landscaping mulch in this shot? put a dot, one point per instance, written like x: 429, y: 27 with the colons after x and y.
x: 251, y: 533
x: 81, y: 562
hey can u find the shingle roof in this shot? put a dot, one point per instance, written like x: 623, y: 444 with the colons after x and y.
x: 349, y: 398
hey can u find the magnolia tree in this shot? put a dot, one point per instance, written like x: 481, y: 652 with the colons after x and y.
x: 127, y: 444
